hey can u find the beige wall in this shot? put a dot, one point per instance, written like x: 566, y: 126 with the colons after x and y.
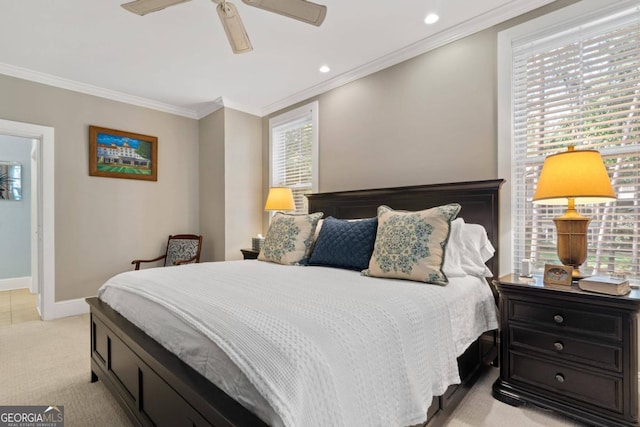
x: 101, y: 224
x: 243, y: 181
x: 212, y: 199
x: 230, y: 183
x: 430, y: 119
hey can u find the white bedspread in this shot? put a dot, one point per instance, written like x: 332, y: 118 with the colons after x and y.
x: 324, y: 347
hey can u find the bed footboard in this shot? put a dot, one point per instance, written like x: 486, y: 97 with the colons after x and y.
x: 153, y: 386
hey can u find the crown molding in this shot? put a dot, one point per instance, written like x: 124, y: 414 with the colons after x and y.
x: 222, y: 102
x: 463, y: 29
x: 48, y: 79
x: 256, y: 111
x: 209, y: 107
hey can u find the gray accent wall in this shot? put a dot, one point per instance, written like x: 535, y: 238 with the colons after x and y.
x: 15, y: 215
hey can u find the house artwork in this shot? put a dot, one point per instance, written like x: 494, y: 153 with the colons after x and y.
x: 118, y: 154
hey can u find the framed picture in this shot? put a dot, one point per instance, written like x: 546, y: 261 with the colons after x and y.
x: 120, y: 154
x: 557, y: 275
x: 10, y: 181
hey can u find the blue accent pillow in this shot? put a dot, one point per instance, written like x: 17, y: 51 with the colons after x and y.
x: 345, y: 244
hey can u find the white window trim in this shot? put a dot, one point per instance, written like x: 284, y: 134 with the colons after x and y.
x: 568, y: 17
x: 290, y: 116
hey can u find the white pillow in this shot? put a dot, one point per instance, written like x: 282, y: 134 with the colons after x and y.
x: 452, y: 266
x: 467, y: 250
x: 477, y: 250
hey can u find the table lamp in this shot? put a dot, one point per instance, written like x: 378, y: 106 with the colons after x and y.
x: 280, y: 199
x: 573, y: 177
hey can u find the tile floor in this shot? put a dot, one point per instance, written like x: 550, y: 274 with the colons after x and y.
x: 17, y: 306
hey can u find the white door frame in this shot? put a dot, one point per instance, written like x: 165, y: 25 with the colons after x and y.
x: 35, y: 215
x: 44, y: 136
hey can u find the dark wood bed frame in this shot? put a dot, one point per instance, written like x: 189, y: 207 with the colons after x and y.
x: 157, y: 389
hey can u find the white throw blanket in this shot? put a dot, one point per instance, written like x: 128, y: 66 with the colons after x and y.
x: 325, y: 347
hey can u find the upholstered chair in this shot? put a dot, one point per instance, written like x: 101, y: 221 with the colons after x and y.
x: 181, y: 249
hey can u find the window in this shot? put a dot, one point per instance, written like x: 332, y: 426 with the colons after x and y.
x: 578, y: 85
x: 294, y: 152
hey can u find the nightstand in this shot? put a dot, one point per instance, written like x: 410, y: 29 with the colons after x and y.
x: 569, y: 350
x: 249, y: 253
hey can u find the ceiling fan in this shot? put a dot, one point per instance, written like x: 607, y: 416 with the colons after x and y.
x: 302, y: 10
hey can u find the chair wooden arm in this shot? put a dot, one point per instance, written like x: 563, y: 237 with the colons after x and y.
x: 138, y: 261
x: 185, y: 261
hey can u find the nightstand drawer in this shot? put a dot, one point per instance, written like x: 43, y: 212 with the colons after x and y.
x: 561, y: 346
x: 571, y: 318
x: 600, y: 390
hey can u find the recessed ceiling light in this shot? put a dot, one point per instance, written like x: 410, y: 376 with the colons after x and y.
x: 431, y: 18
x: 325, y: 69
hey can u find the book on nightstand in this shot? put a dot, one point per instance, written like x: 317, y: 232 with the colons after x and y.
x: 605, y: 285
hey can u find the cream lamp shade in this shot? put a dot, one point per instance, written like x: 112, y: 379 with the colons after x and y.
x: 280, y: 199
x: 574, y: 174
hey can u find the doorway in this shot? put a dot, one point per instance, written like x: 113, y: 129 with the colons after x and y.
x: 18, y: 292
x: 42, y: 210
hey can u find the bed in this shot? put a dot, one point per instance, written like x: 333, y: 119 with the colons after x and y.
x: 157, y: 388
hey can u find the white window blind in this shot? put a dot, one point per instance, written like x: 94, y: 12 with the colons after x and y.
x: 580, y: 87
x: 294, y: 153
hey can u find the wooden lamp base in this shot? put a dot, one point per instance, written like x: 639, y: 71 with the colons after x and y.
x: 572, y: 239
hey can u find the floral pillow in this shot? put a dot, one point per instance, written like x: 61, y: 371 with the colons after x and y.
x: 411, y: 245
x: 289, y: 238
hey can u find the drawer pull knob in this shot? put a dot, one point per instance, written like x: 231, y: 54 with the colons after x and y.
x: 558, y: 318
x: 558, y: 345
x: 560, y: 378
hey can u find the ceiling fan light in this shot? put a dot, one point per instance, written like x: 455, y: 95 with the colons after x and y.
x: 142, y: 7
x: 234, y: 28
x: 302, y: 10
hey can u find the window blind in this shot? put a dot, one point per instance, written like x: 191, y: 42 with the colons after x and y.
x: 292, y: 146
x: 580, y: 87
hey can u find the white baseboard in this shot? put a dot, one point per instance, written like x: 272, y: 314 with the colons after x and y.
x: 15, y: 283
x: 72, y: 307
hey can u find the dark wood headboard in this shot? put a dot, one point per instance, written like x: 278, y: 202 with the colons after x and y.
x: 479, y: 200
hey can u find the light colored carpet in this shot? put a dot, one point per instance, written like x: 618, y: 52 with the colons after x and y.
x: 479, y: 408
x: 47, y: 363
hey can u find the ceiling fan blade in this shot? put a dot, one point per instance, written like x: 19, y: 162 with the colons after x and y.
x: 302, y: 10
x: 142, y: 7
x: 237, y: 35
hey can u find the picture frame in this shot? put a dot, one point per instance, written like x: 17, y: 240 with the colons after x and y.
x: 10, y: 181
x: 120, y: 154
x: 557, y: 275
